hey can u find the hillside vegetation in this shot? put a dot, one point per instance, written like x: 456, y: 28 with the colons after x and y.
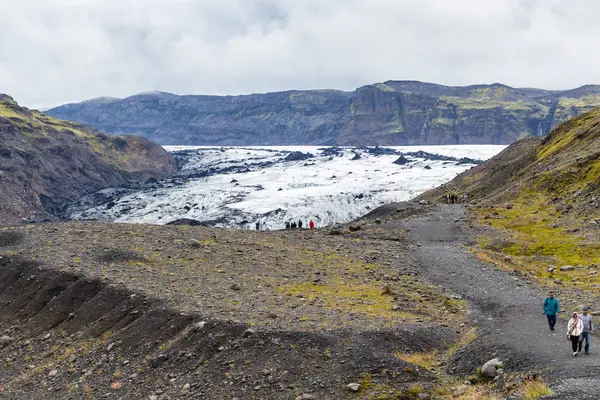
x: 390, y: 113
x: 45, y: 162
x: 541, y: 196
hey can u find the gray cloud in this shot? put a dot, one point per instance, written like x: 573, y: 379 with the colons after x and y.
x: 56, y: 51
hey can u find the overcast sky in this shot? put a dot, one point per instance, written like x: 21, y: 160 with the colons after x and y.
x: 57, y: 51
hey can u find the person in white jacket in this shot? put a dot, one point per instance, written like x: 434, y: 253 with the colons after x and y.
x: 574, y: 330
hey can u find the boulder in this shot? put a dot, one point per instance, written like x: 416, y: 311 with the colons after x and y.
x: 489, y: 369
x: 567, y: 268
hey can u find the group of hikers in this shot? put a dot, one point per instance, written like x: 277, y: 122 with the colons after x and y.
x: 292, y: 225
x: 579, y: 328
x: 453, y: 198
x: 299, y: 225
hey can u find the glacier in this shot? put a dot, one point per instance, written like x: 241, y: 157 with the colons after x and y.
x: 236, y: 187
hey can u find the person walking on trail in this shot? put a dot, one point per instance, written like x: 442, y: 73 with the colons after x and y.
x: 287, y: 225
x: 574, y: 330
x: 257, y: 225
x: 311, y: 224
x: 551, y: 309
x: 300, y: 223
x: 588, y: 329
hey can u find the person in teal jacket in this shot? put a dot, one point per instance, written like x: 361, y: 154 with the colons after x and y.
x: 551, y: 309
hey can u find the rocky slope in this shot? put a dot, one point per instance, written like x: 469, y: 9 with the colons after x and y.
x: 45, y: 162
x: 537, y: 206
x: 390, y: 113
x: 560, y: 171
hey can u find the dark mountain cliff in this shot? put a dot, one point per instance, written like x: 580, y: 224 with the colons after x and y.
x: 390, y: 113
x: 45, y: 162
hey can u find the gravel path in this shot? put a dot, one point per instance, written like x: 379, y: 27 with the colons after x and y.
x: 507, y: 309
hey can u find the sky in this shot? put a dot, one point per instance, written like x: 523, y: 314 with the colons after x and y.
x: 58, y: 51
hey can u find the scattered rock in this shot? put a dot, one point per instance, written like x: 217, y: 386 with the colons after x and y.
x: 459, y: 391
x: 354, y: 228
x: 423, y: 396
x: 198, y: 326
x: 551, y: 268
x: 53, y: 373
x: 305, y: 396
x: 110, y: 347
x: 378, y: 221
x: 356, y: 157
x: 558, y: 281
x: 249, y: 332
x: 567, y: 268
x: 353, y: 387
x: 194, y: 243
x: 235, y: 286
x: 427, y: 167
x: 158, y: 361
x: 5, y: 341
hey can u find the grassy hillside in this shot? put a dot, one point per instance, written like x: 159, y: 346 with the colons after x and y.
x: 45, y: 162
x: 540, y: 198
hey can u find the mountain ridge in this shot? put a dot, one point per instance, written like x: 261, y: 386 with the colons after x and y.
x: 45, y: 162
x: 386, y: 113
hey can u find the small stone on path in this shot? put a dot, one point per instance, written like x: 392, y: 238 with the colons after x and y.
x: 353, y: 387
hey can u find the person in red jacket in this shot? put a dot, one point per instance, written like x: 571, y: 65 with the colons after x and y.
x: 311, y: 224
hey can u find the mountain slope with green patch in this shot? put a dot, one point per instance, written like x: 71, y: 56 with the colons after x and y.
x: 389, y: 113
x: 45, y: 162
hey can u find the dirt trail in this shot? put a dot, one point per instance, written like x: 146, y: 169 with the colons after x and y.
x: 507, y: 309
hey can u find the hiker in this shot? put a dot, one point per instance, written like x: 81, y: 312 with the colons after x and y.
x: 448, y: 198
x: 300, y: 223
x: 257, y: 225
x: 588, y: 329
x: 294, y: 226
x: 287, y: 225
x: 551, y: 309
x: 465, y: 198
x: 574, y: 330
x: 311, y: 224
